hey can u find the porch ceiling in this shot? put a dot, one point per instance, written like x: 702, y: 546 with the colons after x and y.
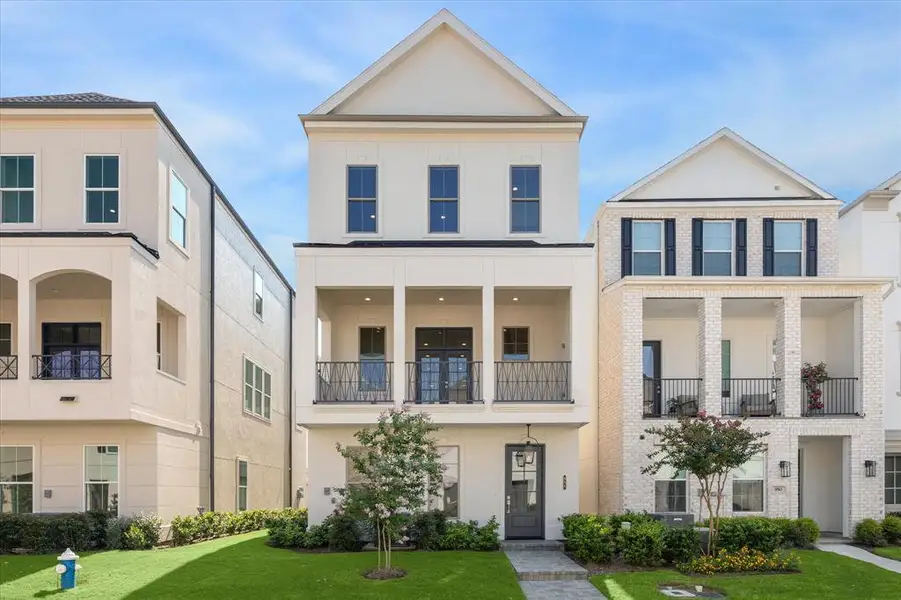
x: 822, y: 308
x: 74, y: 285
x: 671, y: 308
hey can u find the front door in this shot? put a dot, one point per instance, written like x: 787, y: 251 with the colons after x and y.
x: 444, y: 365
x: 650, y: 369
x: 524, y: 502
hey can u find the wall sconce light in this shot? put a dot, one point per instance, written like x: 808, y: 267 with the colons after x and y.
x: 869, y: 468
x: 785, y: 468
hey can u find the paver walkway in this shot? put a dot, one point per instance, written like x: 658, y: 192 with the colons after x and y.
x: 861, y: 554
x: 546, y: 574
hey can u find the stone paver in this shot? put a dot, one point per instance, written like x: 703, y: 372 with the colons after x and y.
x: 560, y: 590
x: 544, y: 565
x: 861, y: 554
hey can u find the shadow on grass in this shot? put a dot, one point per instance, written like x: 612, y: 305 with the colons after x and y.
x: 45, y: 593
x: 22, y: 566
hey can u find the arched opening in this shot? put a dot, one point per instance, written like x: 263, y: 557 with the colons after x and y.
x: 9, y: 315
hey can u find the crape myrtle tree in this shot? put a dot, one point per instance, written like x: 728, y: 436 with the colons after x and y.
x: 709, y: 448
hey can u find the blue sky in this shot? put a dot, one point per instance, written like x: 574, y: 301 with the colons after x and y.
x: 816, y: 84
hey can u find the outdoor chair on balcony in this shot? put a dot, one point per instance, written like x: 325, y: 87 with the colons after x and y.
x: 757, y: 405
x: 683, y: 405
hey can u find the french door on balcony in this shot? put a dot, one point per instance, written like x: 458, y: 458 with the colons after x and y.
x: 70, y: 351
x: 443, y: 365
x: 651, y: 374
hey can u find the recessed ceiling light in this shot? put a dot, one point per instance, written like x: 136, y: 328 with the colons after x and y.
x: 440, y: 299
x: 515, y: 299
x: 367, y: 299
x: 425, y: 343
x: 464, y: 343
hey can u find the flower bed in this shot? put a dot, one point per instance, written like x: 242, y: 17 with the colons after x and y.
x: 744, y: 560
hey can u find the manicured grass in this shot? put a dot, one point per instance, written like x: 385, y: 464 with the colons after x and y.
x: 824, y: 576
x: 890, y: 552
x: 244, y: 566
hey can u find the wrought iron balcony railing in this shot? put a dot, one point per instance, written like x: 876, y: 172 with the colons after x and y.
x: 751, y: 397
x: 835, y: 396
x: 671, y: 397
x: 83, y: 365
x: 9, y: 367
x: 444, y: 382
x: 366, y: 382
x: 532, y: 381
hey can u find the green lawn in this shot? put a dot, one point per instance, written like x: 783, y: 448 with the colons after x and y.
x: 824, y: 576
x: 891, y: 552
x: 244, y: 566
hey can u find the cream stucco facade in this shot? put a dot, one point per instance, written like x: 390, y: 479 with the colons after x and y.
x: 108, y: 356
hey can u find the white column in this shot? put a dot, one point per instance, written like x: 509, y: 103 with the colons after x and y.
x: 788, y: 356
x: 710, y: 353
x: 399, y: 354
x: 580, y: 346
x: 25, y: 327
x: 306, y: 311
x: 488, y: 353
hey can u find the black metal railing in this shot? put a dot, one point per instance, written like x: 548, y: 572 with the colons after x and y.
x: 366, y: 382
x: 444, y: 382
x: 837, y: 396
x: 749, y: 397
x: 9, y: 367
x: 85, y: 365
x: 671, y: 397
x: 532, y: 381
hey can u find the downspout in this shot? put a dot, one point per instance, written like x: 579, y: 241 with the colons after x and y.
x: 212, y: 346
x: 289, y: 495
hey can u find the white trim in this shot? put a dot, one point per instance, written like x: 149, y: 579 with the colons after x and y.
x: 683, y: 479
x: 727, y: 133
x: 253, y: 308
x: 378, y: 205
x: 262, y: 389
x: 85, y: 189
x: 84, y: 478
x: 34, y: 477
x: 802, y: 250
x: 447, y: 19
x: 763, y: 479
x: 428, y: 500
x: 183, y: 247
x: 35, y: 221
x: 660, y: 252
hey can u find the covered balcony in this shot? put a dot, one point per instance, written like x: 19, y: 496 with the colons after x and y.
x: 751, y: 381
x: 9, y: 359
x: 829, y: 339
x: 671, y: 382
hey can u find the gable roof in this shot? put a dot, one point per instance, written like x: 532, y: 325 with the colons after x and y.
x: 724, y: 133
x: 80, y: 98
x: 883, y: 190
x: 443, y: 18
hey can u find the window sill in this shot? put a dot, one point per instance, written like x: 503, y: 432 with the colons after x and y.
x: 525, y: 234
x: 19, y: 226
x: 439, y: 235
x: 172, y: 377
x: 361, y: 235
x: 179, y: 249
x: 92, y: 226
x: 257, y: 417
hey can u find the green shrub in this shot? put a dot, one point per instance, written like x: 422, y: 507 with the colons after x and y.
x: 574, y: 523
x: 287, y: 535
x: 869, y: 533
x: 680, y: 544
x: 317, y: 536
x: 134, y: 539
x: 592, y: 541
x: 97, y: 520
x: 891, y: 529
x: 800, y: 533
x: 459, y: 535
x: 115, y: 529
x: 743, y: 560
x: 47, y: 533
x: 211, y: 524
x: 755, y: 533
x: 343, y: 534
x: 426, y: 529
x: 642, y: 544
x: 486, y: 538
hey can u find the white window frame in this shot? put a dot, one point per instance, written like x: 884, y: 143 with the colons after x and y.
x: 763, y: 495
x: 676, y: 478
x: 118, y: 190
x: 238, y: 486
x: 513, y: 200
x: 731, y: 250
x: 659, y: 253
x: 430, y: 501
x: 33, y: 189
x: 265, y: 399
x: 84, y: 473
x: 173, y: 209
x: 258, y: 295
x: 800, y: 250
x: 893, y: 507
x: 33, y: 473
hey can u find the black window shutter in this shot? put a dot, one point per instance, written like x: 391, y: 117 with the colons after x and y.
x: 741, y: 247
x: 768, y: 242
x: 669, y: 243
x: 811, y: 247
x: 626, y: 246
x: 697, y: 246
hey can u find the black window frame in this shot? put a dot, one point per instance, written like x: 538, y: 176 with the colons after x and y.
x: 362, y: 199
x: 517, y: 343
x: 6, y: 337
x: 524, y: 200
x: 444, y: 199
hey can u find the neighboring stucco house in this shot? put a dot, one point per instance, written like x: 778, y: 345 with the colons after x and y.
x: 870, y: 245
x: 718, y: 279
x: 118, y: 382
x: 444, y: 273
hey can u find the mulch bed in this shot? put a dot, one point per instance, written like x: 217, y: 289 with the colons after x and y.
x: 617, y: 566
x: 383, y: 573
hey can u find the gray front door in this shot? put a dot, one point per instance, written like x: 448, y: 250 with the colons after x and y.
x: 524, y: 489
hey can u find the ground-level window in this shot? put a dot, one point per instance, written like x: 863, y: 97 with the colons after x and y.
x: 448, y: 498
x: 670, y: 492
x: 893, y: 479
x: 242, y: 485
x: 16, y: 479
x: 101, y: 478
x: 748, y: 485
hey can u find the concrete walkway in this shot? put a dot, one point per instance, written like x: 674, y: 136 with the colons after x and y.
x: 861, y: 554
x: 545, y: 573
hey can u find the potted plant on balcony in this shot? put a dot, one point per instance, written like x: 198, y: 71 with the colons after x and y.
x: 813, y: 377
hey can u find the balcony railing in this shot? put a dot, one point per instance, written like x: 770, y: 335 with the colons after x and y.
x: 364, y: 382
x: 532, y: 381
x: 444, y: 382
x: 9, y: 367
x: 751, y: 397
x: 671, y: 397
x: 86, y: 365
x: 837, y: 396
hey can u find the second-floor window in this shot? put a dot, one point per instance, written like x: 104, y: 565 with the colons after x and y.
x: 787, y: 248
x: 516, y: 343
x: 257, y: 389
x: 373, y: 375
x: 362, y: 199
x: 101, y: 189
x: 647, y: 247
x: 17, y: 189
x: 6, y: 339
x: 525, y: 199
x: 257, y: 294
x: 178, y: 210
x: 444, y: 197
x: 717, y: 248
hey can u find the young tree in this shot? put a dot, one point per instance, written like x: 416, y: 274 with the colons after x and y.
x: 399, y: 464
x: 709, y: 448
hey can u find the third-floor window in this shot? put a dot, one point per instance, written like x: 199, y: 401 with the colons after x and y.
x: 444, y: 197
x: 178, y: 211
x: 717, y: 248
x: 525, y: 199
x: 647, y: 247
x: 362, y: 199
x: 787, y: 248
x: 17, y: 189
x: 101, y: 189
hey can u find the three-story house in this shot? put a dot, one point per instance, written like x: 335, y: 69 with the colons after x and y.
x: 445, y: 274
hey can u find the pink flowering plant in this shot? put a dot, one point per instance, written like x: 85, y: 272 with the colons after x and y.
x: 709, y: 448
x: 813, y: 376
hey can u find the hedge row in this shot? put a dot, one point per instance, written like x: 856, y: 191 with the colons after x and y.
x: 213, y: 524
x: 871, y: 532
